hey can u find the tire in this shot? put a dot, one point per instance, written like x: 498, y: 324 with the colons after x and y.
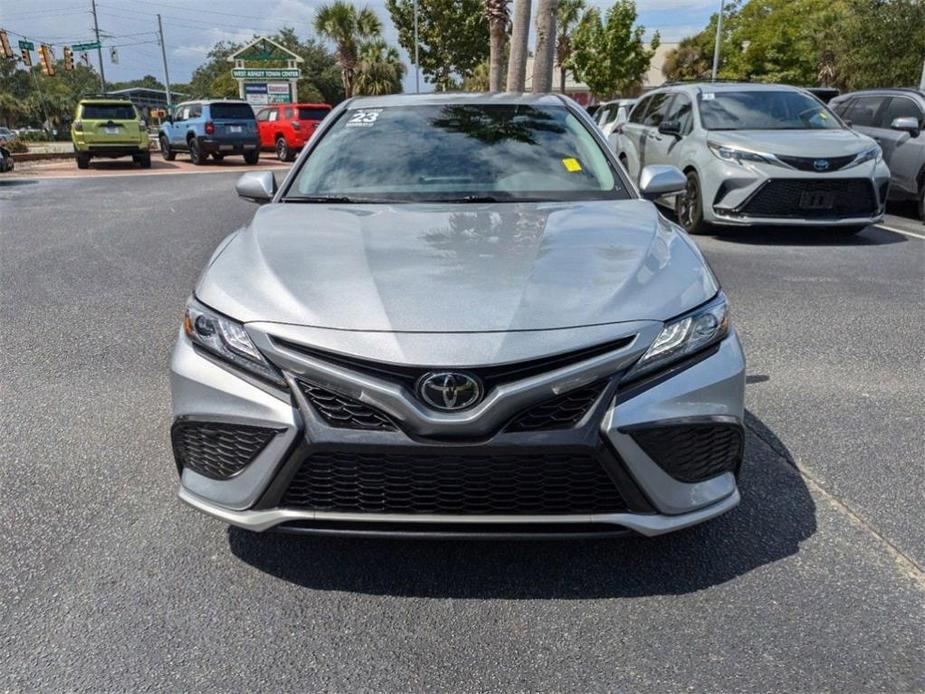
x: 218, y: 156
x: 922, y: 202
x: 145, y: 160
x: 688, y: 206
x: 166, y: 152
x: 252, y: 157
x: 83, y: 160
x: 195, y: 152
x: 283, y: 153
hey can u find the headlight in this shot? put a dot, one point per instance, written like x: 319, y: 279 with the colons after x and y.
x: 737, y: 155
x: 872, y: 154
x: 684, y: 336
x: 227, y: 340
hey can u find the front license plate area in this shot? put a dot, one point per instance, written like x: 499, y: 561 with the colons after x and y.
x: 816, y: 200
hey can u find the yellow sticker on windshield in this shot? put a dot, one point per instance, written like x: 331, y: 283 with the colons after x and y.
x: 571, y: 165
x: 823, y: 115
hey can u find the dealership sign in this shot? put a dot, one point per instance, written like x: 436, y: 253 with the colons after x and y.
x: 266, y: 73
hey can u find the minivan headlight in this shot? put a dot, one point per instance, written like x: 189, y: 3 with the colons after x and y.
x: 685, y: 335
x: 736, y: 155
x: 872, y: 154
x: 227, y: 340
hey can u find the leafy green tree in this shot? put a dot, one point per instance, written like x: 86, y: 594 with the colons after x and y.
x: 347, y: 27
x: 215, y: 66
x: 452, y: 36
x: 148, y: 82
x: 380, y: 69
x: 477, y: 81
x: 569, y: 15
x: 609, y: 54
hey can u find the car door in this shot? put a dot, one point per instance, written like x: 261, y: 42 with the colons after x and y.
x: 263, y: 128
x: 864, y: 114
x: 180, y: 116
x: 649, y: 138
x: 662, y: 148
x: 902, y: 152
x: 632, y: 137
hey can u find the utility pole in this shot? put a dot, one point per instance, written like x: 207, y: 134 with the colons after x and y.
x: 99, y: 49
x: 719, y: 36
x: 160, y: 31
x: 417, y: 65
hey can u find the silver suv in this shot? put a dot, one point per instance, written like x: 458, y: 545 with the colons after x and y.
x: 895, y: 118
x: 757, y: 154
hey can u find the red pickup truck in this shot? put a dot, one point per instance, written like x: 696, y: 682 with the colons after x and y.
x: 285, y: 128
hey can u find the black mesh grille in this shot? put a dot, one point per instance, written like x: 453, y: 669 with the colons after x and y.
x: 465, y: 484
x: 809, y: 163
x: 693, y: 452
x: 562, y: 412
x: 343, y: 412
x: 217, y: 450
x: 849, y: 198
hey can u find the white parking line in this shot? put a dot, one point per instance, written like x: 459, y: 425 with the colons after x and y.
x: 900, y: 231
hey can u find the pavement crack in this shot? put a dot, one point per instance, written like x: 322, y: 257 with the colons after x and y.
x: 910, y: 566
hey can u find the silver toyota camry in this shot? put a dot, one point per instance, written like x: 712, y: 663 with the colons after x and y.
x: 457, y: 316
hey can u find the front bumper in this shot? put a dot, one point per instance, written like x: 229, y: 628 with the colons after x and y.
x: 745, y: 195
x: 708, y: 388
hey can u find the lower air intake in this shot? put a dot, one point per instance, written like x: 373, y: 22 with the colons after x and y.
x: 217, y: 449
x: 693, y: 452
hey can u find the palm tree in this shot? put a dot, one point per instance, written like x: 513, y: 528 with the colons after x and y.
x: 569, y: 14
x: 379, y: 70
x: 544, y: 54
x: 498, y: 15
x: 520, y: 35
x: 347, y: 27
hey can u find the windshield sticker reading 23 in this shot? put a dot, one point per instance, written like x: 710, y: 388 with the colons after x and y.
x: 363, y: 119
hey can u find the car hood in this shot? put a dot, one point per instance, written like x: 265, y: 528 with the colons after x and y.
x: 457, y: 268
x: 796, y: 143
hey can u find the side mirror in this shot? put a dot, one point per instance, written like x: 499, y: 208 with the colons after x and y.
x: 257, y: 186
x: 670, y: 127
x: 658, y: 180
x: 908, y: 125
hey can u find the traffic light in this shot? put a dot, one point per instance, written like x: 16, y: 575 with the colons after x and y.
x: 47, y: 59
x: 5, y: 45
x: 68, y: 58
x: 26, y: 57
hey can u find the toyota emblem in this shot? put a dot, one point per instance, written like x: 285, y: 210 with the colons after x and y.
x: 449, y: 391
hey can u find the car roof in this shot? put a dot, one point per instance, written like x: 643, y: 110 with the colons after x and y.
x: 884, y: 90
x: 719, y: 87
x: 441, y: 98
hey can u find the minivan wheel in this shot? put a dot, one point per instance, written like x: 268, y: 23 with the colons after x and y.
x: 166, y: 152
x: 195, y: 152
x: 282, y: 150
x: 688, y: 206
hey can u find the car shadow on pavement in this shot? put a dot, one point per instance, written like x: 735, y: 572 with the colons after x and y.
x: 771, y: 236
x: 776, y: 514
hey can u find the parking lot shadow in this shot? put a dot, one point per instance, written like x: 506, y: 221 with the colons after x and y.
x: 778, y: 236
x: 777, y: 513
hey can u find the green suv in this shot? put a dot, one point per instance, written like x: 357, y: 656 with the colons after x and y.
x: 109, y: 128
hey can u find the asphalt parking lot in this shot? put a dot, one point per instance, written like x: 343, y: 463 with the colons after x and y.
x: 815, y: 582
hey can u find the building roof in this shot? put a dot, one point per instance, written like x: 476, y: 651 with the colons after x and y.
x: 262, y: 41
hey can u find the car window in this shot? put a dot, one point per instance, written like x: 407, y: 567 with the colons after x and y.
x: 263, y: 114
x: 182, y: 112
x: 762, y: 109
x: 863, y: 110
x: 288, y: 113
x: 639, y: 111
x: 657, y: 109
x: 310, y: 113
x: 234, y: 110
x: 901, y: 107
x: 194, y: 111
x: 274, y: 115
x: 681, y: 110
x: 840, y: 107
x: 503, y: 152
x: 113, y: 111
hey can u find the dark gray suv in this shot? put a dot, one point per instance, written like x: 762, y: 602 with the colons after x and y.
x: 895, y: 118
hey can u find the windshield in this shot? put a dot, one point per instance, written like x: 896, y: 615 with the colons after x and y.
x: 309, y: 113
x: 108, y: 111
x: 764, y: 110
x: 457, y: 152
x: 231, y: 111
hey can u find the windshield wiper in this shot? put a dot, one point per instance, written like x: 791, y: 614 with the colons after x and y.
x: 326, y: 199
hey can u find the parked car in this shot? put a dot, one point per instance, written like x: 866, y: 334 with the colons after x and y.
x: 109, y: 128
x: 757, y: 154
x: 285, y: 128
x: 6, y: 160
x: 895, y: 118
x: 489, y: 332
x: 6, y: 134
x: 217, y: 128
x: 612, y: 113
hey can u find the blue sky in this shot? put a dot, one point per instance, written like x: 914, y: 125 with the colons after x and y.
x: 191, y: 27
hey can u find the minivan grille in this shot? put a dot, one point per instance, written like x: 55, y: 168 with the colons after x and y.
x: 852, y: 197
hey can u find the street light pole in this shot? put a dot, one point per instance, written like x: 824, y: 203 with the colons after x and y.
x: 719, y: 35
x: 417, y: 65
x: 99, y: 49
x: 160, y: 30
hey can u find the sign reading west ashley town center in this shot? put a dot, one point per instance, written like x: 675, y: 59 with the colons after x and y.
x: 266, y: 72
